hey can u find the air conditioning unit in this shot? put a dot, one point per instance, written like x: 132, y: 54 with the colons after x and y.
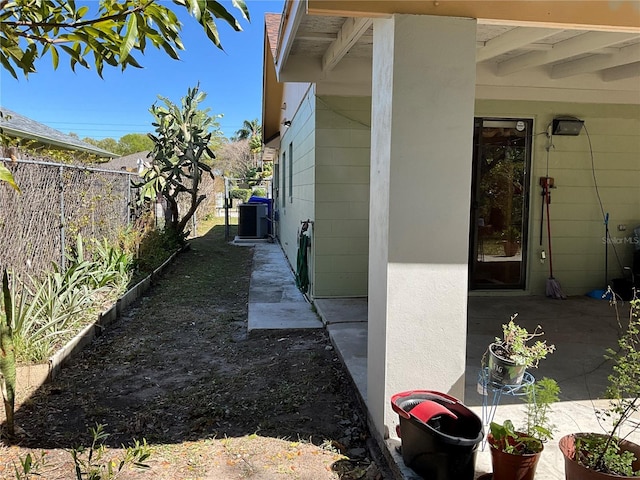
x: 253, y: 220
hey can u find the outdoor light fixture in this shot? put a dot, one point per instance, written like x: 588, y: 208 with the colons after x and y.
x: 287, y: 123
x: 567, y: 126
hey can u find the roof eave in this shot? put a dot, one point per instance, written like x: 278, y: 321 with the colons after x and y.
x: 49, y: 141
x: 272, y: 93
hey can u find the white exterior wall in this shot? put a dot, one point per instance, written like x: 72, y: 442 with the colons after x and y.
x: 298, y: 204
x: 576, y: 219
x: 343, y: 149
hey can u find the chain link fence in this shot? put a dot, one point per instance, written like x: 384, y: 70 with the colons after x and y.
x: 58, y: 202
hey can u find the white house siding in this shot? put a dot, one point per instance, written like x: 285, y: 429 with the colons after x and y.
x: 299, y: 201
x: 577, y: 222
x: 343, y: 147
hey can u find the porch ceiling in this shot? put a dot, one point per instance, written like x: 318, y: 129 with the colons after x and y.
x: 322, y: 43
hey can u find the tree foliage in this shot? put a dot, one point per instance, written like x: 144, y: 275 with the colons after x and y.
x: 251, y: 130
x: 234, y: 158
x: 31, y: 29
x: 5, y: 176
x: 180, y: 154
x: 133, y: 143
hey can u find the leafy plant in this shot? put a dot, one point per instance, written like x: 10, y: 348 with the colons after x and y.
x: 31, y: 30
x: 241, y: 194
x: 155, y: 247
x: 602, y: 452
x: 30, y: 465
x: 538, y: 427
x: 48, y: 309
x: 90, y: 463
x: 5, y: 176
x: 511, y: 234
x: 515, y: 344
x: 181, y: 150
x: 7, y: 355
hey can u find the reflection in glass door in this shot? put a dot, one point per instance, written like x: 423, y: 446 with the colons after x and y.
x: 499, y: 203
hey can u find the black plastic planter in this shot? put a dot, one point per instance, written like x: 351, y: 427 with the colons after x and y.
x: 440, y: 436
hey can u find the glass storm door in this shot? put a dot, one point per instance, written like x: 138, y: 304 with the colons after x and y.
x: 499, y: 202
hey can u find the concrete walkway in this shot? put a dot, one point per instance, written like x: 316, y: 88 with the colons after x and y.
x: 274, y: 300
x: 581, y: 328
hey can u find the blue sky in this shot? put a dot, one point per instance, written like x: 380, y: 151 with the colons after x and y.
x: 85, y: 104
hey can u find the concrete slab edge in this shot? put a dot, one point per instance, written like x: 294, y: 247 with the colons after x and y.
x: 378, y: 448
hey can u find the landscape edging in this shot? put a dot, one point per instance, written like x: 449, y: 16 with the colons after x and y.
x: 88, y: 333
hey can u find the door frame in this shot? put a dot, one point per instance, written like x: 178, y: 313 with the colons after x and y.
x: 478, y: 121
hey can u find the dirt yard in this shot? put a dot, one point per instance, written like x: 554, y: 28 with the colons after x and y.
x: 180, y: 371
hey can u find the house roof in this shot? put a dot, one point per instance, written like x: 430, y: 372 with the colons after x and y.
x: 130, y: 162
x: 19, y: 126
x: 536, y: 48
x: 272, y: 29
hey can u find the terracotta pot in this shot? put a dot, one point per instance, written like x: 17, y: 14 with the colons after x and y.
x: 510, y: 248
x: 503, y: 371
x: 508, y: 466
x: 574, y: 471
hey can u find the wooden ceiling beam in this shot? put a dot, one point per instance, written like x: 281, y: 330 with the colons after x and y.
x: 352, y: 29
x: 594, y: 63
x: 512, y: 40
x: 572, y: 47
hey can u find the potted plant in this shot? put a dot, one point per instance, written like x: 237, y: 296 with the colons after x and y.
x: 516, y: 351
x: 515, y: 454
x: 511, y: 240
x: 593, y: 456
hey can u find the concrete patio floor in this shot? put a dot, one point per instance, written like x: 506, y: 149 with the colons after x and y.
x: 581, y: 328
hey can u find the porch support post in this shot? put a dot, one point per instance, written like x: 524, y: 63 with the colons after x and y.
x: 421, y: 156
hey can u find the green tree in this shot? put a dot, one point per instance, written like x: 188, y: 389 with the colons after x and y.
x: 30, y: 30
x: 250, y: 129
x: 133, y: 143
x: 180, y: 154
x: 108, y: 144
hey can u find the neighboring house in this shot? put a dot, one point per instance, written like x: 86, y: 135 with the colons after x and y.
x: 133, y: 163
x: 414, y: 136
x: 20, y: 127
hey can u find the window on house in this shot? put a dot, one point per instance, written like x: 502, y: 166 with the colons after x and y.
x: 291, y: 172
x: 284, y: 179
x: 275, y: 186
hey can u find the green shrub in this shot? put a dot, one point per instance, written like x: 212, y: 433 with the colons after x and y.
x: 155, y: 247
x: 241, y: 194
x: 260, y: 192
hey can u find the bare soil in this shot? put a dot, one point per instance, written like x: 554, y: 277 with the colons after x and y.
x: 179, y: 370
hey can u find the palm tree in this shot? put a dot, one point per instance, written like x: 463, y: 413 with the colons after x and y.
x: 251, y: 130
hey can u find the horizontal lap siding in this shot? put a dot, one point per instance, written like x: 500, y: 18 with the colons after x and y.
x: 299, y: 201
x: 576, y: 218
x: 343, y: 140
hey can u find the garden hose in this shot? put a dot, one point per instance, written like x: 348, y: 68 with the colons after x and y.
x: 302, y: 270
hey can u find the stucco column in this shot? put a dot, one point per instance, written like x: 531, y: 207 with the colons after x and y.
x: 421, y: 156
